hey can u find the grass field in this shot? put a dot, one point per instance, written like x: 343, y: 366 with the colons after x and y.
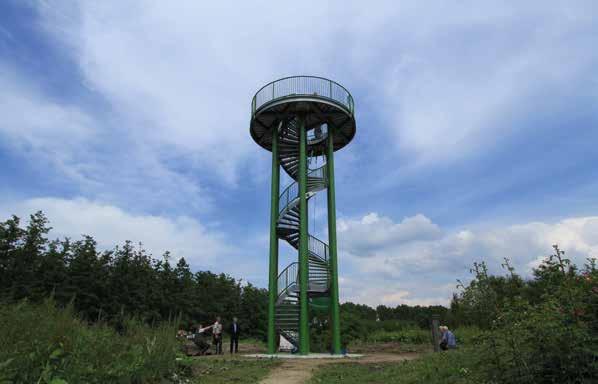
x: 452, y: 367
x: 220, y: 370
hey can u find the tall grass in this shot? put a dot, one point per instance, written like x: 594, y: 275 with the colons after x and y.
x: 454, y: 367
x: 40, y: 343
x: 464, y: 335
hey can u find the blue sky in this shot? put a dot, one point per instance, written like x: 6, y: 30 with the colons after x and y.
x: 476, y: 131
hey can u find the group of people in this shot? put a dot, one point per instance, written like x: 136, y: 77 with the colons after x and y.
x: 201, y: 337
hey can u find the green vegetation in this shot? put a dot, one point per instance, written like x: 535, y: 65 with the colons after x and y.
x: 435, y: 368
x: 541, y: 330
x: 361, y: 322
x: 126, y: 281
x: 44, y: 344
x: 119, y: 283
x: 408, y: 336
x: 67, y: 316
x: 219, y: 370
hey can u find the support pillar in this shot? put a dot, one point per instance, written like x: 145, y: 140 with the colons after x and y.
x: 334, y: 300
x: 273, y: 271
x: 436, y: 332
x: 303, y: 244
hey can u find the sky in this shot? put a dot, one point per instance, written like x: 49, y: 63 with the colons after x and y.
x: 477, y: 131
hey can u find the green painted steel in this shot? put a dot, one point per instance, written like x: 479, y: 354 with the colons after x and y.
x: 273, y: 275
x: 303, y: 256
x: 288, y: 117
x: 334, y: 299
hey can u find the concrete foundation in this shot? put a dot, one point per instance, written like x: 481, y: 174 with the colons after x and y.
x: 297, y: 356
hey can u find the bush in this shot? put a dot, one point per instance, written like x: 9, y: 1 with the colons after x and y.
x: 543, y: 331
x: 407, y: 336
x: 44, y: 344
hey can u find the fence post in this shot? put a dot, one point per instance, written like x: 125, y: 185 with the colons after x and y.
x: 436, y: 332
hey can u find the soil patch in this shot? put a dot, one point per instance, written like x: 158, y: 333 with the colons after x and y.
x: 299, y: 371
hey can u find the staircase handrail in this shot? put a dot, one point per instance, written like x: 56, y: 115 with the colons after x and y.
x: 291, y: 191
x: 318, y: 248
x: 287, y: 277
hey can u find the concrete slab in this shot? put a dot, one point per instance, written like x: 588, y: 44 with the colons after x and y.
x: 298, y: 356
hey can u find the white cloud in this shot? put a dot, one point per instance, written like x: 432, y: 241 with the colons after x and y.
x: 179, y: 74
x: 445, y: 80
x: 383, y: 266
x: 109, y: 225
x: 178, y: 78
x: 456, y: 76
x: 73, y: 144
x: 373, y: 232
x: 45, y: 130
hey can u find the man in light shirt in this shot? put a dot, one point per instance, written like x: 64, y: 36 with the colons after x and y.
x: 217, y: 334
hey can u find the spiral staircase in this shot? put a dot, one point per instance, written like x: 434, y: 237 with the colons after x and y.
x: 323, y: 111
x: 287, y: 304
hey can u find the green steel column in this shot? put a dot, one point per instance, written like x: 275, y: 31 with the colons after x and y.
x: 303, y: 257
x: 273, y: 275
x: 334, y: 302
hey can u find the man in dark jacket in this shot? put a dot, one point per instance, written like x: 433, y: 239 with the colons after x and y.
x: 234, y: 331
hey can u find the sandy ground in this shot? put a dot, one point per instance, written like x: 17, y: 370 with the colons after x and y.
x: 298, y: 371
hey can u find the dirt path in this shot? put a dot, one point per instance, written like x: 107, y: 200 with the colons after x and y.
x: 298, y: 371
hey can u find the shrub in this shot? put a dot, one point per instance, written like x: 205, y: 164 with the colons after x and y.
x: 408, y: 336
x: 544, y: 330
x: 44, y: 344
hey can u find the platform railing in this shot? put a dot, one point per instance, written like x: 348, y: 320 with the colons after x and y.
x: 302, y: 86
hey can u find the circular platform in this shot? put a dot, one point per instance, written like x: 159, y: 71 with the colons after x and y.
x: 323, y: 103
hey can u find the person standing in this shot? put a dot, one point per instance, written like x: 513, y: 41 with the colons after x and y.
x: 217, y: 335
x: 234, y: 335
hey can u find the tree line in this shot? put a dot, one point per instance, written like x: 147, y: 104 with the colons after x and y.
x: 114, y: 285
x: 126, y: 281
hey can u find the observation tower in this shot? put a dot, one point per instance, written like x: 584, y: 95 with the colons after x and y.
x: 301, y: 119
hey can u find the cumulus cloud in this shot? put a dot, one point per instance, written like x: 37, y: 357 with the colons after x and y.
x: 372, y: 232
x: 109, y: 225
x: 386, y: 266
x: 444, y: 81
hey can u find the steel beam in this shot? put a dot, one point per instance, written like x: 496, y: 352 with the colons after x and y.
x: 273, y: 273
x: 334, y: 301
x: 303, y: 251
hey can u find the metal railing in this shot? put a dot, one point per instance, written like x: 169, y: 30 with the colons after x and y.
x: 289, y: 276
x: 302, y: 86
x: 318, y: 247
x: 291, y: 192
